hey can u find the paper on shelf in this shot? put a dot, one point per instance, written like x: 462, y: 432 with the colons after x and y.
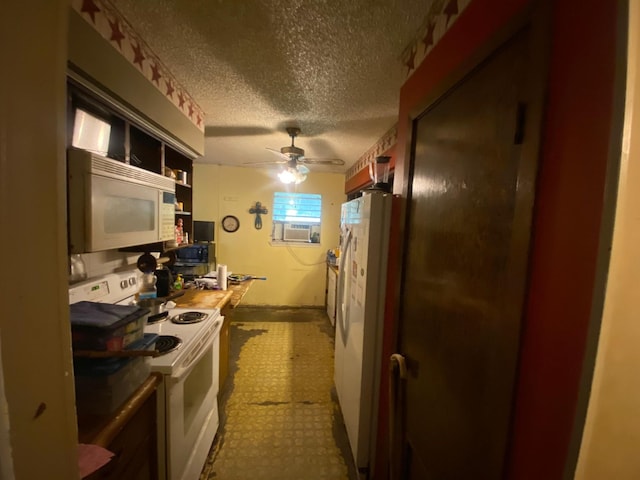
x: 91, y: 458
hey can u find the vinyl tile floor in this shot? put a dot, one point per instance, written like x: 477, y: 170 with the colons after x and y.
x: 279, y: 417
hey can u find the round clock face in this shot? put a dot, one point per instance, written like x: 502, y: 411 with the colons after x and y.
x: 230, y: 223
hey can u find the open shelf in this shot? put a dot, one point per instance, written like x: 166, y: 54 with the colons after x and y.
x: 133, y: 143
x: 184, y: 191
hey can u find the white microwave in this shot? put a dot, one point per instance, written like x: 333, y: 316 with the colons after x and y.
x: 113, y: 204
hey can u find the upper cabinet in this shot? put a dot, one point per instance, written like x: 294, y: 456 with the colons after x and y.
x: 145, y: 151
x: 155, y: 124
x: 99, y: 128
x: 100, y: 65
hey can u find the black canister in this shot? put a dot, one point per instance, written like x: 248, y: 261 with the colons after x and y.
x: 165, y: 281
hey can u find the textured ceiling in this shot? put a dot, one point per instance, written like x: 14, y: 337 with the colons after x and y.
x: 331, y: 68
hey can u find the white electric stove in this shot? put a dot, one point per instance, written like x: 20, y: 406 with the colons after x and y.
x: 187, y: 406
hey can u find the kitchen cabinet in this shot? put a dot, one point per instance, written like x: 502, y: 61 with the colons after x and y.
x: 130, y: 433
x: 144, y: 151
x: 332, y: 285
x: 137, y: 144
x: 111, y: 76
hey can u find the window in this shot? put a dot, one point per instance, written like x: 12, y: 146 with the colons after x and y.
x: 296, y: 217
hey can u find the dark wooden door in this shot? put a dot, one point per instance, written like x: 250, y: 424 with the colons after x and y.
x: 464, y: 271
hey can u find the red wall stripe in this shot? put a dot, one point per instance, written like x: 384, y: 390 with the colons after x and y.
x: 566, y: 233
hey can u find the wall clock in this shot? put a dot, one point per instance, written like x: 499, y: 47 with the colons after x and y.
x: 230, y: 223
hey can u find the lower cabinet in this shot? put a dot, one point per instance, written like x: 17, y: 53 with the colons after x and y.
x: 332, y: 283
x: 135, y: 445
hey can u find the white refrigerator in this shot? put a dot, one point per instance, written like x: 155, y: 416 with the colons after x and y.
x: 364, y: 224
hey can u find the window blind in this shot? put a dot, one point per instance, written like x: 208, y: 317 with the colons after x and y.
x: 297, y: 207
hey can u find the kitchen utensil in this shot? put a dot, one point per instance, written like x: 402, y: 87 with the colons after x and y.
x: 157, y: 305
x: 78, y: 268
x: 169, y: 173
x: 241, y: 277
x: 379, y: 173
x: 147, y: 263
x: 181, y: 177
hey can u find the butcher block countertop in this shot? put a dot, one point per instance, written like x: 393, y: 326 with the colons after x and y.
x: 194, y: 298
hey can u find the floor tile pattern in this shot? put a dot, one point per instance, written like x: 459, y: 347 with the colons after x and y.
x: 280, y: 419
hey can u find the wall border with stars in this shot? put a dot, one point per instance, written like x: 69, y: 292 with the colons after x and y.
x: 103, y: 16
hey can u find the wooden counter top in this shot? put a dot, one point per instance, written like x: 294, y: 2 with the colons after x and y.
x: 238, y: 291
x: 194, y: 298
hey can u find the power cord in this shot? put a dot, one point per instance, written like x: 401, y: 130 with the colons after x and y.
x: 297, y: 259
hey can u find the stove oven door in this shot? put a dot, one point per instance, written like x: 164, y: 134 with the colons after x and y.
x: 192, y: 407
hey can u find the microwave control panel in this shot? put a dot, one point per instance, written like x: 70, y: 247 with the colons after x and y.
x: 167, y: 216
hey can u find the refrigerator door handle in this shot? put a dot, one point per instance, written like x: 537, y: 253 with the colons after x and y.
x: 342, y: 313
x: 397, y: 375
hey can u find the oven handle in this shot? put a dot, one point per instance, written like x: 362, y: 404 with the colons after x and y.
x: 200, y: 350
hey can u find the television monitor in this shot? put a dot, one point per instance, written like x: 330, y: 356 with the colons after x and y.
x: 90, y: 133
x: 203, y: 231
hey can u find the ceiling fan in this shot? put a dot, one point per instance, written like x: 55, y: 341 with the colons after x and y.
x: 296, y: 169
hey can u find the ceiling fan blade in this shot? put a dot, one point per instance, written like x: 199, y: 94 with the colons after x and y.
x: 322, y: 161
x: 279, y: 154
x: 274, y: 162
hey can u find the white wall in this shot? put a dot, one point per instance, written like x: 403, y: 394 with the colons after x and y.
x: 611, y: 439
x: 34, y: 325
x: 296, y: 275
x: 109, y: 261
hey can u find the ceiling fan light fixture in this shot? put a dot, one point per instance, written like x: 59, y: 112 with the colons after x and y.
x: 291, y: 175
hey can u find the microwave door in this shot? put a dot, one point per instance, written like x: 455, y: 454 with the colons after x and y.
x: 122, y: 214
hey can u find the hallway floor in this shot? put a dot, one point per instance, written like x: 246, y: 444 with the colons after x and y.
x: 279, y: 417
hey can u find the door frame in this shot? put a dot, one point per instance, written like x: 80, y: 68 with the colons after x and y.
x: 612, y: 180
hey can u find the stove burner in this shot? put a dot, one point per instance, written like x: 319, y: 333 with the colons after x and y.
x: 158, y: 317
x: 189, y: 317
x: 167, y: 343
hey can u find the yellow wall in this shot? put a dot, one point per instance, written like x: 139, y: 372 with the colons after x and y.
x: 296, y: 275
x: 611, y: 439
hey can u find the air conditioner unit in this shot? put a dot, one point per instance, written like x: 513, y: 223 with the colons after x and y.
x: 296, y: 232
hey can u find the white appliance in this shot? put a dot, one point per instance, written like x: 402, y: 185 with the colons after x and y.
x: 362, y: 273
x: 297, y: 232
x: 113, y: 204
x: 187, y: 398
